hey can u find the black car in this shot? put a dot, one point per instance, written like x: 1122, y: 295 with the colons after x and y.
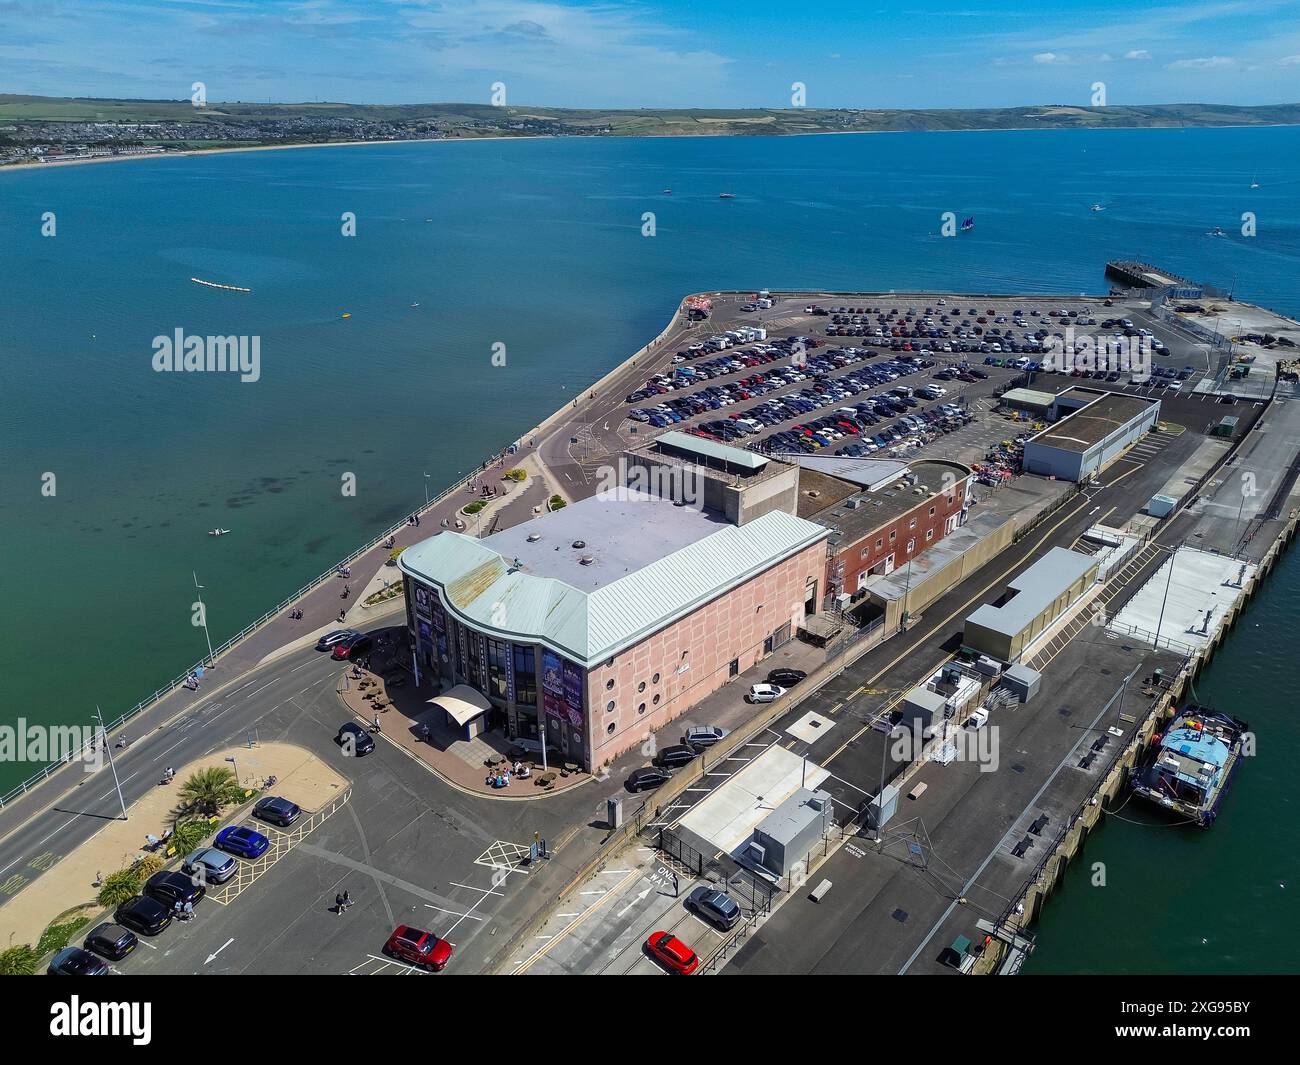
x: 647, y: 778
x: 336, y: 636
x: 73, y: 961
x: 144, y: 915
x: 716, y: 907
x: 111, y: 941
x: 676, y: 756
x: 786, y: 678
x: 354, y: 737
x: 171, y: 888
x: 278, y: 811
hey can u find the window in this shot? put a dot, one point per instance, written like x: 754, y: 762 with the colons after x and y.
x: 880, y: 542
x: 525, y: 676
x: 609, y: 729
x: 641, y: 708
x: 929, y: 534
x: 609, y: 707
x: 475, y: 672
x: 654, y: 679
x: 641, y: 687
x: 655, y: 700
x: 733, y: 668
x: 609, y: 684
x: 893, y: 535
x: 498, y: 669
x: 932, y: 512
x: 912, y: 524
x: 865, y: 552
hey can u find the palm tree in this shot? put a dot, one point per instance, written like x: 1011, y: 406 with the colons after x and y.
x: 208, y: 790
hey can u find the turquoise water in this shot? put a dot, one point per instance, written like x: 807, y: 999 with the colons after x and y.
x: 536, y: 245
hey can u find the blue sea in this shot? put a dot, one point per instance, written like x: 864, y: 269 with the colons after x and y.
x: 534, y: 244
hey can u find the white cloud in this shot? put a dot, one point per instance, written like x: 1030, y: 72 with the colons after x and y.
x: 1289, y: 61
x: 1048, y: 57
x: 1137, y: 53
x: 1204, y: 63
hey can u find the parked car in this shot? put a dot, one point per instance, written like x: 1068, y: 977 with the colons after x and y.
x: 276, y: 810
x: 353, y: 646
x: 672, y: 953
x: 676, y: 756
x: 242, y: 842
x: 337, y: 636
x: 647, y: 778
x: 170, y: 888
x: 73, y: 961
x: 764, y: 693
x: 353, y: 736
x: 786, y: 678
x: 210, y: 864
x: 701, y: 737
x: 111, y: 941
x: 714, y: 906
x: 144, y: 915
x: 419, y: 948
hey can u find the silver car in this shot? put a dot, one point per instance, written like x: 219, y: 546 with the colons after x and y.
x: 212, y: 866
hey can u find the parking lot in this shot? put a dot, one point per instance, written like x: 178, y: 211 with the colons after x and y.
x: 911, y: 376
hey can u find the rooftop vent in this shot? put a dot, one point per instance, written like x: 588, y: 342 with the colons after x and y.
x: 534, y: 537
x: 579, y: 544
x: 586, y: 560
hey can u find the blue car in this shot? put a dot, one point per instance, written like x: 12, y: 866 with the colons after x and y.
x: 242, y: 842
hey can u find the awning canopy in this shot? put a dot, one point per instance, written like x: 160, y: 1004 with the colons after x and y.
x: 462, y: 703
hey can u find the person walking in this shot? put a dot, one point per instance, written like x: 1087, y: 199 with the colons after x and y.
x: 338, y: 904
x: 347, y: 899
x: 376, y: 723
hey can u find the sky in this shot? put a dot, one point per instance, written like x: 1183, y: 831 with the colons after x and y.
x: 657, y: 53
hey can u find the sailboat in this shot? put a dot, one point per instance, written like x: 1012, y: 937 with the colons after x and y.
x: 1254, y: 184
x: 968, y: 224
x: 218, y: 532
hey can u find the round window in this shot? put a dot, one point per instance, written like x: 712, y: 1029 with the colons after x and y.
x: 609, y: 729
x: 641, y: 709
x: 654, y: 679
x: 641, y: 687
x: 609, y: 684
x: 655, y: 700
x: 609, y: 706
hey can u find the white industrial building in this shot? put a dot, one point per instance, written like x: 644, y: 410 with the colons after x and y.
x: 1102, y: 425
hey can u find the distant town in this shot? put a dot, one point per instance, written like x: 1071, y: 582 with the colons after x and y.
x: 36, y: 129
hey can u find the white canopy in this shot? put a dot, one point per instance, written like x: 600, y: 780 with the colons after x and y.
x: 463, y: 703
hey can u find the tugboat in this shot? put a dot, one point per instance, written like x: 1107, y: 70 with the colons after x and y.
x: 1188, y: 769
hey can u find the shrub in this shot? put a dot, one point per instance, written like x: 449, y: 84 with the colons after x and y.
x: 392, y: 555
x: 18, y: 961
x: 57, y: 935
x: 190, y: 834
x: 557, y: 502
x: 475, y: 507
x: 118, y: 887
x: 145, y: 866
x: 517, y: 474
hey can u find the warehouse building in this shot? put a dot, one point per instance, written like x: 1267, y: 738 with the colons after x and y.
x: 1099, y: 429
x: 593, y: 626
x: 1033, y: 600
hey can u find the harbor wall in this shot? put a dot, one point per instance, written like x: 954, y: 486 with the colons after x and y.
x: 1025, y: 908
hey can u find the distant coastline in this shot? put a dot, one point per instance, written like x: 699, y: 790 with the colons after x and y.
x: 191, y: 153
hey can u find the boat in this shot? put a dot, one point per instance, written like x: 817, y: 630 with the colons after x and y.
x: 668, y: 192
x: 1254, y: 184
x: 416, y: 303
x: 214, y: 284
x: 1187, y: 770
x: 726, y: 195
x: 346, y: 314
x: 1216, y: 232
x: 218, y: 532
x: 1097, y: 207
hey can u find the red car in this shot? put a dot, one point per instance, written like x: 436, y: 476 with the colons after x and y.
x: 672, y: 953
x: 352, y: 647
x: 419, y: 948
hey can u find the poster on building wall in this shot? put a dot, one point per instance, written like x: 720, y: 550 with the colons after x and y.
x: 424, y: 632
x: 423, y: 601
x: 554, y: 707
x: 573, y: 683
x: 440, y: 630
x: 552, y: 677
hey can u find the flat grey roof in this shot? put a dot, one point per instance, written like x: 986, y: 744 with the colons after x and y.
x: 623, y: 531
x: 784, y: 823
x: 1029, y: 395
x: 711, y: 449
x: 1090, y: 425
x: 1035, y: 590
x: 871, y: 474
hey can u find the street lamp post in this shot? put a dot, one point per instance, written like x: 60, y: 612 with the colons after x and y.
x: 426, y: 491
x: 232, y: 761
x: 108, y: 750
x: 203, y: 615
